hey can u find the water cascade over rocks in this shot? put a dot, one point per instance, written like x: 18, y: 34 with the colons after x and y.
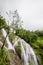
x: 27, y: 53
x: 7, y: 39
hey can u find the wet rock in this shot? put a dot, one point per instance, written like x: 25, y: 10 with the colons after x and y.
x: 14, y: 59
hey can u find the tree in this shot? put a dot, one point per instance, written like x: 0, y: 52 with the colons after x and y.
x: 16, y: 22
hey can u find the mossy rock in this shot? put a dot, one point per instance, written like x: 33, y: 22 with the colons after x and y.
x: 14, y: 58
x: 4, y: 57
x: 12, y: 37
x: 18, y: 49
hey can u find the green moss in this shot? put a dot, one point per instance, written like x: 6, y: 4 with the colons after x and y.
x: 4, y: 57
x: 18, y: 49
x: 12, y: 37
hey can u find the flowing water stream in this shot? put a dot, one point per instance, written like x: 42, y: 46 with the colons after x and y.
x: 7, y: 40
x: 27, y: 53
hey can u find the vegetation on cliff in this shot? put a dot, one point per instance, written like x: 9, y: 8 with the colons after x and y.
x: 4, y: 57
x: 35, y: 39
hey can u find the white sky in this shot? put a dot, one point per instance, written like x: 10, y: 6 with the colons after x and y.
x: 31, y: 12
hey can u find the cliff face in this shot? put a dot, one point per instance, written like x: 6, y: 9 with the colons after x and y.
x: 14, y: 59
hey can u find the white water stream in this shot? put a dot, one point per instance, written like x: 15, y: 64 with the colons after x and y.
x: 7, y: 40
x: 27, y: 53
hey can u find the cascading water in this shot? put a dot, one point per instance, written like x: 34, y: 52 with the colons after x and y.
x: 27, y: 54
x: 7, y: 39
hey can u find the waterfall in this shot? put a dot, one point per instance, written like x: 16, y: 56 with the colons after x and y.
x: 27, y: 53
x: 7, y: 39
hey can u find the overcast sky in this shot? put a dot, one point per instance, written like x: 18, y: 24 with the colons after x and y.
x: 31, y: 12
